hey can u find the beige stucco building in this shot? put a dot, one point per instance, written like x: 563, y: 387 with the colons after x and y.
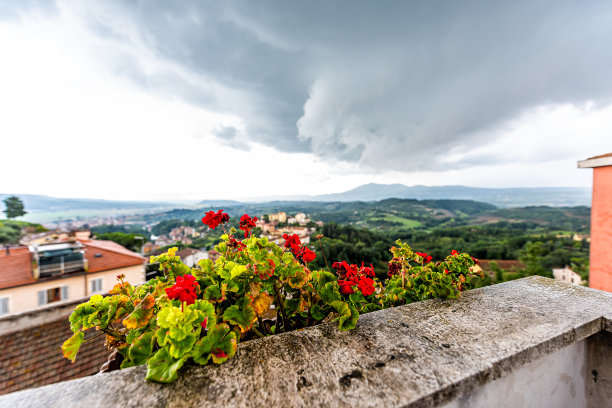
x: 36, y: 276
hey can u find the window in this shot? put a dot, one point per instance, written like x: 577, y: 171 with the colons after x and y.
x: 52, y: 295
x: 4, y: 306
x: 95, y: 285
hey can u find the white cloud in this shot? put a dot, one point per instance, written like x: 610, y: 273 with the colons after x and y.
x: 97, y: 100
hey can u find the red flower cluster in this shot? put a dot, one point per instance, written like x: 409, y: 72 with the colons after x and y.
x: 454, y: 253
x: 247, y: 223
x: 292, y: 241
x: 299, y: 251
x: 184, y: 289
x: 214, y: 220
x: 394, y: 267
x: 350, y: 276
x: 426, y: 258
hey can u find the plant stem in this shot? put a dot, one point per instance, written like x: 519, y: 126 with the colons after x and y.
x: 93, y: 337
x: 323, y: 253
x: 261, y: 336
x: 280, y: 305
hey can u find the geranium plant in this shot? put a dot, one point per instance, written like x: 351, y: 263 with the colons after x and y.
x: 254, y: 289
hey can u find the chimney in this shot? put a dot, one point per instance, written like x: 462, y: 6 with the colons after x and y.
x: 8, y: 249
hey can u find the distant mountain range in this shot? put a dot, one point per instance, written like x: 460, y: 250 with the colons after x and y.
x: 54, y: 204
x: 500, y: 197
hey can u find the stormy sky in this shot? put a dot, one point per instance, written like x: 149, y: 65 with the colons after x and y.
x: 208, y: 99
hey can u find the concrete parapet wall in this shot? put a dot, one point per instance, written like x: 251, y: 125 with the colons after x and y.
x: 425, y: 354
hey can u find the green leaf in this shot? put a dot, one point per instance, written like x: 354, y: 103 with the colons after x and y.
x: 370, y: 307
x: 323, y: 277
x: 242, y: 317
x: 208, y: 310
x: 317, y: 312
x: 163, y: 368
x: 237, y: 270
x: 141, y: 350
x: 299, y: 278
x: 141, y: 314
x: 206, y: 265
x: 220, y: 344
x: 348, y: 315
x: 330, y: 292
x: 162, y: 336
x: 179, y: 348
x: 214, y: 294
x: 70, y: 348
x: 287, y: 257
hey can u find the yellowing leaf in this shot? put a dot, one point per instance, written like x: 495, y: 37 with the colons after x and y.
x: 70, y: 348
x: 244, y: 317
x: 262, y: 303
x: 141, y: 314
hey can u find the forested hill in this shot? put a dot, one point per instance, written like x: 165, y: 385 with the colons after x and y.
x: 406, y: 214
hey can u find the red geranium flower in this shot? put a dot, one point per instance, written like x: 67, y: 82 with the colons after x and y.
x: 426, y: 258
x: 213, y: 220
x: 292, y: 241
x: 184, y: 289
x: 454, y: 253
x: 350, y: 276
x: 394, y: 267
x: 247, y: 223
x: 345, y: 288
x: 308, y: 255
x: 366, y: 286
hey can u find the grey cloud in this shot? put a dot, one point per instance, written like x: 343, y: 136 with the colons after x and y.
x: 391, y: 85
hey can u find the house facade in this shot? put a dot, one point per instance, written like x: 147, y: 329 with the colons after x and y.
x: 600, y: 270
x: 33, y: 277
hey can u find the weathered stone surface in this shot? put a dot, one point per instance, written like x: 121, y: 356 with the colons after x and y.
x: 422, y: 354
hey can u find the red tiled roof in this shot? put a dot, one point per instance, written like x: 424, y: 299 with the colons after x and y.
x: 113, y: 256
x: 600, y: 156
x: 16, y: 267
x: 186, y: 252
x: 31, y: 357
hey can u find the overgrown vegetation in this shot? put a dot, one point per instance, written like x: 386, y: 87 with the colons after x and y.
x: 11, y: 231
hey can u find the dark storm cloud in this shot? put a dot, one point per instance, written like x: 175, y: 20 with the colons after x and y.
x: 391, y: 85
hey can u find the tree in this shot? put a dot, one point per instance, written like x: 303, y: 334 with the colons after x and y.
x: 14, y: 207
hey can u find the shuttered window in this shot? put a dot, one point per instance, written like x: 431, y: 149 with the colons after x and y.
x: 52, y: 295
x: 4, y: 306
x: 42, y: 297
x: 96, y: 285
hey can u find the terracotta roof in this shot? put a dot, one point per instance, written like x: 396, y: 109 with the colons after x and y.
x: 504, y: 264
x: 601, y: 156
x: 16, y: 267
x: 186, y: 252
x: 113, y: 256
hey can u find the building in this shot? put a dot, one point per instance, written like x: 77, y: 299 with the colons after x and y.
x: 190, y: 256
x: 32, y: 277
x: 567, y: 275
x: 600, y: 273
x: 280, y: 217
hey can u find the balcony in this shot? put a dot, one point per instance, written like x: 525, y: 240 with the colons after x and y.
x: 531, y: 342
x: 61, y: 267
